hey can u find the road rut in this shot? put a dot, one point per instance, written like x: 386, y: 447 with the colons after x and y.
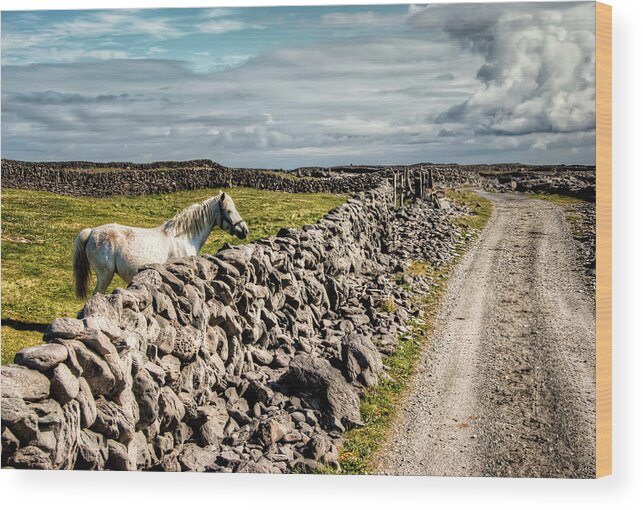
x: 506, y: 384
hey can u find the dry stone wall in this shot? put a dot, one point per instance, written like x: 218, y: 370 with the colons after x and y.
x: 83, y: 178
x: 251, y: 360
x: 76, y: 178
x: 574, y: 183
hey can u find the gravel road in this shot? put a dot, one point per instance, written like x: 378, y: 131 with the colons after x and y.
x: 506, y: 385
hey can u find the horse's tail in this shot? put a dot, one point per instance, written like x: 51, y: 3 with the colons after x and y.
x: 81, y: 263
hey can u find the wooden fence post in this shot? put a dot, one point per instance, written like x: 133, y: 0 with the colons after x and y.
x: 394, y: 190
x: 404, y: 185
x: 421, y: 182
x: 422, y: 175
x: 405, y: 177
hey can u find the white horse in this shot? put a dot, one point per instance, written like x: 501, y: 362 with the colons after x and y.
x: 119, y: 249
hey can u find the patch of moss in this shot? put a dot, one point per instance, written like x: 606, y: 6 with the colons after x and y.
x: 389, y: 305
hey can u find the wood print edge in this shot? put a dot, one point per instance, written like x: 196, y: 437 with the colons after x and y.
x: 603, y: 239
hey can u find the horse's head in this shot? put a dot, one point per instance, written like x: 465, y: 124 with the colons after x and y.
x: 231, y: 221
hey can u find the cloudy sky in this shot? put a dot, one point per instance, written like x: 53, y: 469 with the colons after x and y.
x: 292, y: 86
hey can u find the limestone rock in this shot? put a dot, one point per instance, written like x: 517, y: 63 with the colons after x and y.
x: 95, y: 370
x: 187, y: 343
x: 172, y: 367
x: 317, y: 447
x: 112, y: 421
x: 41, y: 357
x: 64, y: 385
x: 10, y: 444
x: 211, y: 432
x: 139, y: 449
x: 361, y: 360
x: 108, y: 307
x: 262, y: 357
x: 31, y: 457
x: 326, y: 388
x: 271, y: 431
x: 146, y: 392
x: 24, y: 383
x: 67, y: 434
x: 87, y: 404
x: 171, y: 408
x: 118, y: 457
x: 101, y: 344
x: 92, y: 451
x: 262, y: 465
x: 195, y: 458
x: 21, y: 418
x: 64, y: 328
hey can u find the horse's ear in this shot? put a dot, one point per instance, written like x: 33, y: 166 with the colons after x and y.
x: 222, y: 197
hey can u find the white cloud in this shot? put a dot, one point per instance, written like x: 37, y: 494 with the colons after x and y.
x: 153, y: 50
x: 224, y: 26
x: 539, y: 70
x: 360, y: 19
x: 67, y: 40
x: 116, y: 23
x: 113, y: 23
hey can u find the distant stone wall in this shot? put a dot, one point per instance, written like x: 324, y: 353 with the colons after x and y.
x: 122, y: 165
x: 579, y: 184
x: 166, y: 178
x: 82, y: 178
x: 249, y: 360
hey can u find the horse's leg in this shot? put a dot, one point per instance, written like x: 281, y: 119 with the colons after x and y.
x: 104, y: 277
x: 101, y: 257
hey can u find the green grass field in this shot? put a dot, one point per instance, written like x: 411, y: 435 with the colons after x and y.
x: 38, y: 229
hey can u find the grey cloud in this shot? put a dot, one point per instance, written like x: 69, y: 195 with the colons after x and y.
x: 445, y: 77
x: 446, y: 133
x: 102, y: 77
x: 51, y: 97
x: 538, y: 74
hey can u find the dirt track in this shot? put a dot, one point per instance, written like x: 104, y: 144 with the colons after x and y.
x: 506, y: 385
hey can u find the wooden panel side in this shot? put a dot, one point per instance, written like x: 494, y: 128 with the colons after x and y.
x: 603, y: 239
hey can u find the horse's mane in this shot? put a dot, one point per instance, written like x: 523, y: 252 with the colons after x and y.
x: 192, y: 219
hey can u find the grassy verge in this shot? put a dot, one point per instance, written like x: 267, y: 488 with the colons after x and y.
x: 38, y: 229
x: 379, y: 405
x: 479, y: 207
